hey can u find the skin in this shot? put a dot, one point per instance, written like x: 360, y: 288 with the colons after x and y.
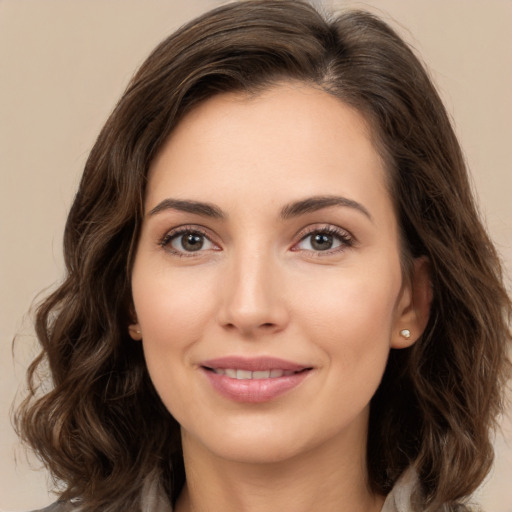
x: 259, y: 287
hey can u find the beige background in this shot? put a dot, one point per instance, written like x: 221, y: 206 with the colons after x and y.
x: 63, y: 64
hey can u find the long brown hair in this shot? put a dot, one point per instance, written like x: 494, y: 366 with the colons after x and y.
x: 102, y: 430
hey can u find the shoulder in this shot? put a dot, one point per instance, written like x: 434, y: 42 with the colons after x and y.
x: 153, y: 499
x: 59, y: 506
x: 406, y: 495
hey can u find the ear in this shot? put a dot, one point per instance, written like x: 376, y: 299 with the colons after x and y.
x: 135, y: 332
x: 413, y: 307
x: 134, y: 328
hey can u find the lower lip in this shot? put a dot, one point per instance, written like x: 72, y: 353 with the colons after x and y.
x: 254, y: 390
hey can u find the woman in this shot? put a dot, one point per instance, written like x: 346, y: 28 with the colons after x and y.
x: 279, y: 294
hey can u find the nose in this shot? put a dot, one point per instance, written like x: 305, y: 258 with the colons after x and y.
x: 253, y: 300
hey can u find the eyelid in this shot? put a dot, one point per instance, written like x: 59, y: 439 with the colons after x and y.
x: 346, y: 238
x: 165, y: 240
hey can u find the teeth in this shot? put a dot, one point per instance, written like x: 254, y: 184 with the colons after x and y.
x: 246, y: 374
x: 261, y: 375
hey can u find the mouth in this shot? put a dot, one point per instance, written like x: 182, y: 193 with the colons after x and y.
x: 240, y: 374
x: 254, y: 380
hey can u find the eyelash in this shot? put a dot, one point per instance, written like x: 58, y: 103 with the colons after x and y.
x: 344, y: 237
x: 166, y: 240
x: 346, y: 240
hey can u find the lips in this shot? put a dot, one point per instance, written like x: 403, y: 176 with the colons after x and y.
x: 253, y: 380
x: 253, y: 364
x: 240, y: 374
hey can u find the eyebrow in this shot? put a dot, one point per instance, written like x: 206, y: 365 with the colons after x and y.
x: 197, y: 207
x: 315, y: 203
x: 294, y: 209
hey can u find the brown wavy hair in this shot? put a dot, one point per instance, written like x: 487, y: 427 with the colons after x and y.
x: 102, y: 430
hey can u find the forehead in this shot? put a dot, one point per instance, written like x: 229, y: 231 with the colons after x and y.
x: 291, y: 139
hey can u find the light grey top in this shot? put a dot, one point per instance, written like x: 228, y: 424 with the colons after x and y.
x: 405, y: 497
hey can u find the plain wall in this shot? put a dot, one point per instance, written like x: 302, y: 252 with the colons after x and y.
x: 64, y: 63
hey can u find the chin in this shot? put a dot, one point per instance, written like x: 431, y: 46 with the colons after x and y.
x: 259, y: 442
x: 258, y: 452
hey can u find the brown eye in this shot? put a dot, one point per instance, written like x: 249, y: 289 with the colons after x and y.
x: 187, y: 242
x: 322, y: 240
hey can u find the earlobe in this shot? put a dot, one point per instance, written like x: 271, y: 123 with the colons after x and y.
x: 135, y: 332
x: 134, y: 329
x: 405, y: 333
x: 414, y: 306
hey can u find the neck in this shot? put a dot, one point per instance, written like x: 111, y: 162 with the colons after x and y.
x: 327, y: 478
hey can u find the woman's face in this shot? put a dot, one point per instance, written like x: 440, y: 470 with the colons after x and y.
x: 267, y: 282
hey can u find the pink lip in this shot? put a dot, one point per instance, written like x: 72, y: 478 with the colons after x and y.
x: 254, y: 364
x: 253, y: 390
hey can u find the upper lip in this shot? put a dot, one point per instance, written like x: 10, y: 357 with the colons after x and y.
x: 253, y: 364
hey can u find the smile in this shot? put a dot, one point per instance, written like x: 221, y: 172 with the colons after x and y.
x: 246, y: 374
x: 253, y: 380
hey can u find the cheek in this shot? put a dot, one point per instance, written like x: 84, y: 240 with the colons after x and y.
x: 351, y: 317
x: 170, y: 324
x: 172, y: 307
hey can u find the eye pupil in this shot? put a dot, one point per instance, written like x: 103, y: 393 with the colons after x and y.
x: 192, y: 242
x: 321, y: 241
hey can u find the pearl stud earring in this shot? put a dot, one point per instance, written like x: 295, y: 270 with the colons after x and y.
x: 405, y: 333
